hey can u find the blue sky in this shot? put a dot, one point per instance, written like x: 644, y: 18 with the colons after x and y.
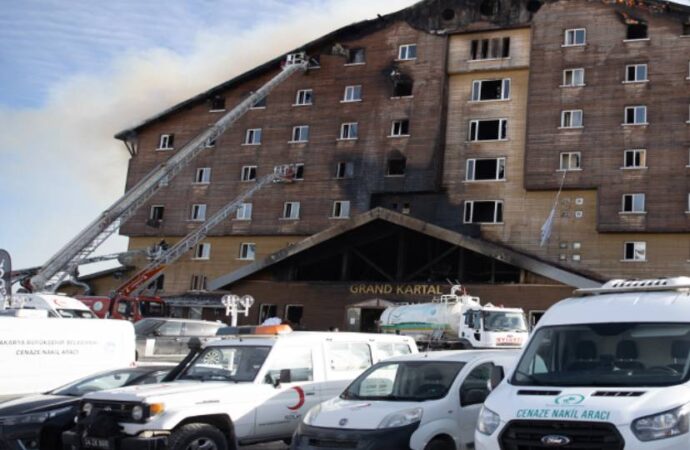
x: 74, y: 72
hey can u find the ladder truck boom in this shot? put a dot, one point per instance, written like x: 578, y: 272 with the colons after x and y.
x: 66, y: 260
x: 135, y: 285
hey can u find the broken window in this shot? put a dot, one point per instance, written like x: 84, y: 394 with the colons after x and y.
x: 575, y: 36
x: 636, y: 73
x: 165, y: 141
x: 574, y: 77
x: 636, y: 115
x: 300, y: 133
x: 349, y: 131
x: 299, y: 171
x: 291, y: 210
x: 198, y: 283
x: 304, y: 97
x: 635, y: 251
x: 352, y: 94
x: 244, y: 211
x: 486, y: 169
x: 485, y: 90
x: 403, y: 88
x: 489, y: 7
x: 490, y: 211
x: 252, y: 136
x: 493, y: 48
x: 407, y: 52
x: 293, y: 314
x: 218, y: 104
x: 344, y: 170
x: 686, y: 29
x: 341, y: 209
x: 637, y: 31
x: 202, y: 251
x: 571, y: 118
x: 396, y: 166
x: 570, y: 161
x: 633, y: 203
x: 210, y: 142
x: 635, y: 159
x: 400, y: 128
x: 156, y: 214
x: 267, y: 311
x: 260, y: 104
x: 198, y: 213
x: 356, y: 56
x: 247, y: 251
x: 488, y: 130
x: 203, y: 175
x: 248, y: 173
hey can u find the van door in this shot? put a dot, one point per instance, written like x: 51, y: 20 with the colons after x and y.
x: 344, y: 362
x: 473, y: 391
x: 292, y: 369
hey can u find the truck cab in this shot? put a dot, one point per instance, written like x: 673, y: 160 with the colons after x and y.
x: 607, y: 368
x: 238, y: 389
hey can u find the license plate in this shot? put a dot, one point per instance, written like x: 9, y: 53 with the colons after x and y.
x: 98, y: 443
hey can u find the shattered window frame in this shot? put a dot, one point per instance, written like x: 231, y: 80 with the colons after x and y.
x: 469, y: 212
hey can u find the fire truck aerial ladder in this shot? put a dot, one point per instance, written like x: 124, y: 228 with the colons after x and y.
x: 66, y: 261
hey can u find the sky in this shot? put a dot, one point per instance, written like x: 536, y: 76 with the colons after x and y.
x: 76, y: 72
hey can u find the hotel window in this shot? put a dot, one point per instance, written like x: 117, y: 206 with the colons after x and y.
x: 571, y: 118
x: 356, y: 56
x: 635, y: 251
x: 341, y: 209
x: 488, y: 130
x: 252, y: 136
x: 198, y: 283
x: 260, y: 104
x: 483, y: 211
x: 400, y: 128
x: 202, y: 251
x: 486, y: 169
x: 198, y: 213
x: 636, y: 73
x: 299, y: 171
x: 570, y: 161
x: 349, y: 131
x: 248, y: 173
x: 633, y: 203
x: 396, y: 167
x: 203, y: 175
x: 485, y: 90
x: 637, y: 31
x: 304, y: 97
x: 574, y: 37
x: 573, y: 77
x: 403, y: 88
x: 494, y: 48
x: 166, y: 141
x: 300, y: 134
x: 217, y: 104
x: 244, y: 211
x: 636, y: 115
x: 266, y: 311
x: 352, y: 94
x: 291, y: 210
x: 247, y: 251
x: 635, y: 159
x: 344, y: 170
x: 407, y: 52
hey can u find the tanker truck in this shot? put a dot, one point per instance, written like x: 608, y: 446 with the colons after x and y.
x: 457, y: 321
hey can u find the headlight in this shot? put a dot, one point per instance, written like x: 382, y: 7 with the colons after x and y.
x: 138, y: 413
x: 402, y: 418
x: 663, y: 425
x: 86, y: 408
x: 311, y: 415
x: 39, y: 417
x: 488, y: 421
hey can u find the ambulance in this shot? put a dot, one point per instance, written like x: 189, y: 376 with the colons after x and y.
x: 607, y: 369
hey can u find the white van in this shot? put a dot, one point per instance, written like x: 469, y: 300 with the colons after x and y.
x: 428, y: 401
x: 57, y: 305
x: 249, y: 389
x: 38, y: 354
x: 607, y: 369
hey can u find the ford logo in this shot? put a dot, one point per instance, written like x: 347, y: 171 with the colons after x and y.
x: 555, y: 440
x: 342, y: 422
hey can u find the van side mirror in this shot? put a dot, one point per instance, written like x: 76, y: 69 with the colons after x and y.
x: 497, y: 376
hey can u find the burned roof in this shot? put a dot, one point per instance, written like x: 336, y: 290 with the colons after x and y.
x: 432, y: 16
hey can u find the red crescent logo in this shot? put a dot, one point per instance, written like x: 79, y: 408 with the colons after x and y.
x: 300, y: 403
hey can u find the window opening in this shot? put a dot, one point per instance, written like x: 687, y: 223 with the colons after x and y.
x: 488, y: 130
x: 396, y: 166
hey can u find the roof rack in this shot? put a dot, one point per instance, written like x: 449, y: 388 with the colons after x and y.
x: 655, y: 284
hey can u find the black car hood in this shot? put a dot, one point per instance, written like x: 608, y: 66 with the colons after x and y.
x: 36, y: 403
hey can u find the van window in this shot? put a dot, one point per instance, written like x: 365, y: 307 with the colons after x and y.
x: 390, y: 349
x: 227, y: 364
x: 475, y: 388
x: 124, y: 307
x: 170, y: 329
x: 348, y: 356
x: 296, y: 359
x: 200, y: 329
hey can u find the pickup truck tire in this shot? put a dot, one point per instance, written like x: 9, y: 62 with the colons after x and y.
x: 440, y: 444
x: 197, y: 436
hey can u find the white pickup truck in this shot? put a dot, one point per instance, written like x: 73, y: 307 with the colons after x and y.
x: 242, y: 389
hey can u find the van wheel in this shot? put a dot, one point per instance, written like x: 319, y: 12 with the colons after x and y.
x: 197, y: 436
x: 440, y: 444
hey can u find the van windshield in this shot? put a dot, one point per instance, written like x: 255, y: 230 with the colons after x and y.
x: 404, y: 381
x: 606, y: 354
x: 504, y: 321
x: 75, y: 313
x: 238, y: 364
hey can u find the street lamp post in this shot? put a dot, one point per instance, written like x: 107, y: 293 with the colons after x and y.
x: 233, y: 303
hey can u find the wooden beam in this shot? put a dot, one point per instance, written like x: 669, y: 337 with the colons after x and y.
x: 446, y: 253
